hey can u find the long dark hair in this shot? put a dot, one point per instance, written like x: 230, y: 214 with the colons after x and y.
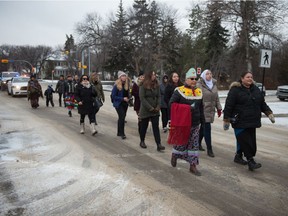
x: 148, y: 83
x: 170, y: 81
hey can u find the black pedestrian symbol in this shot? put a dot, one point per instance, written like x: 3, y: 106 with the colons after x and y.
x: 266, y: 58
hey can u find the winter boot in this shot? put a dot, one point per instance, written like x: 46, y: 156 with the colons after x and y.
x: 194, y: 170
x: 173, y: 161
x: 70, y: 113
x: 210, y: 153
x: 160, y: 147
x: 142, y: 144
x: 253, y: 165
x: 239, y: 159
x: 93, y: 129
x: 82, y: 128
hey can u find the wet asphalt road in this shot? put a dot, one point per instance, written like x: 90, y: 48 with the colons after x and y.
x: 48, y: 168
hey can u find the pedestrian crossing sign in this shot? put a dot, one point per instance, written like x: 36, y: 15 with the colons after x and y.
x: 265, y: 58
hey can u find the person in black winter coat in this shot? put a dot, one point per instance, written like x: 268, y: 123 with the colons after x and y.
x: 49, y: 95
x: 243, y: 107
x: 85, y: 96
x: 60, y: 88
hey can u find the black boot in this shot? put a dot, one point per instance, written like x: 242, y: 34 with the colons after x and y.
x: 210, y: 153
x: 160, y: 147
x: 142, y: 144
x: 173, y: 161
x: 70, y: 113
x: 239, y: 159
x: 253, y: 165
x: 201, y: 148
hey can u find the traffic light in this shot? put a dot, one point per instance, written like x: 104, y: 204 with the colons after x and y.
x: 5, y: 61
x: 79, y: 65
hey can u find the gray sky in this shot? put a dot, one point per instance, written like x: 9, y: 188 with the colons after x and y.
x: 48, y: 22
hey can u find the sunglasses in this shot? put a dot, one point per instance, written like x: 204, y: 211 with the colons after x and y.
x: 85, y: 79
x: 193, y: 79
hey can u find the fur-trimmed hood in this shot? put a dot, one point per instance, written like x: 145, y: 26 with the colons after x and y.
x: 235, y: 84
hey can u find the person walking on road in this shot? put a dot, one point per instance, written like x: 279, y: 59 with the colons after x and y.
x: 95, y: 81
x: 135, y: 93
x: 60, y: 88
x: 186, y: 114
x: 69, y: 92
x: 173, y: 82
x: 49, y: 95
x: 150, y: 98
x: 243, y: 107
x: 34, y: 90
x: 211, y: 103
x: 163, y: 105
x: 120, y: 96
x: 85, y: 95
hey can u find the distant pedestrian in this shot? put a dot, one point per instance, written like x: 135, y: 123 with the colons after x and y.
x: 60, y: 88
x: 34, y: 90
x: 69, y: 92
x: 243, y: 107
x: 150, y: 98
x: 76, y: 80
x: 96, y: 82
x: 120, y: 96
x: 135, y: 93
x: 211, y: 103
x: 85, y: 95
x: 163, y: 105
x: 186, y: 118
x: 49, y: 95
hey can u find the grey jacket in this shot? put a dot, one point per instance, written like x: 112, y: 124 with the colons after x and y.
x: 211, y: 101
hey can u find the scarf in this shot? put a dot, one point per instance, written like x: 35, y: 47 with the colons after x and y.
x: 86, y: 84
x: 209, y: 83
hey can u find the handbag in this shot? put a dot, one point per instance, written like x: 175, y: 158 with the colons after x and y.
x: 98, y: 103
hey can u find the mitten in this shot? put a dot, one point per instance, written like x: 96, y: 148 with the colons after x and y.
x: 272, y: 118
x: 226, y: 124
x: 219, y: 112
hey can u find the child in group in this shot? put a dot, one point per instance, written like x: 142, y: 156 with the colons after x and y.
x: 49, y: 95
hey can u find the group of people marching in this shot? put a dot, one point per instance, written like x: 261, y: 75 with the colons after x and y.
x: 187, y: 110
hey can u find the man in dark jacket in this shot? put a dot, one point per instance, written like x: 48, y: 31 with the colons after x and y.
x: 60, y: 89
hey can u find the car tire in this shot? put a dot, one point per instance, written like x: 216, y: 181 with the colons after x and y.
x: 12, y: 93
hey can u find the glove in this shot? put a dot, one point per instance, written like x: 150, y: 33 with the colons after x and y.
x: 219, y: 112
x: 226, y: 125
x: 272, y: 118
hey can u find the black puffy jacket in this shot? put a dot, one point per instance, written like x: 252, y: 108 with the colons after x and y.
x: 247, y: 104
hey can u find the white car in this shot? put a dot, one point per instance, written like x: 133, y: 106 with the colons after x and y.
x: 17, y: 86
x: 282, y: 92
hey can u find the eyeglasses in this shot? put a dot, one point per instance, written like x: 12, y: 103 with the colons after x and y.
x: 84, y: 78
x: 193, y: 79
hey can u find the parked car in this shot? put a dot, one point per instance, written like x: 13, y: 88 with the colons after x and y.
x: 17, y: 86
x: 282, y: 92
x: 259, y: 85
x: 5, y: 76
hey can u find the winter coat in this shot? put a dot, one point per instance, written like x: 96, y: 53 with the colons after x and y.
x: 69, y: 87
x: 163, y: 103
x: 135, y: 94
x: 150, y: 100
x: 120, y: 91
x: 210, y: 100
x: 99, y: 89
x: 247, y: 104
x: 34, y: 89
x: 60, y: 86
x: 184, y: 95
x: 86, y: 96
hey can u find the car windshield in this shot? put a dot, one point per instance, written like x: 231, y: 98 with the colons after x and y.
x: 21, y: 79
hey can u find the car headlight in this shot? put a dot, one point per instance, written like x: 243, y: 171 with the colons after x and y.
x: 16, y: 87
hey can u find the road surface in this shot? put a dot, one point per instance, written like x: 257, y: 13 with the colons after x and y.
x: 48, y: 168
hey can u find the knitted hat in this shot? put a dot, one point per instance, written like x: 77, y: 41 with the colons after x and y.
x: 121, y: 73
x: 191, y: 73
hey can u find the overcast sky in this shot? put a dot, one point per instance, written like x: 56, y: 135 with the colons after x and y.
x: 48, y: 22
